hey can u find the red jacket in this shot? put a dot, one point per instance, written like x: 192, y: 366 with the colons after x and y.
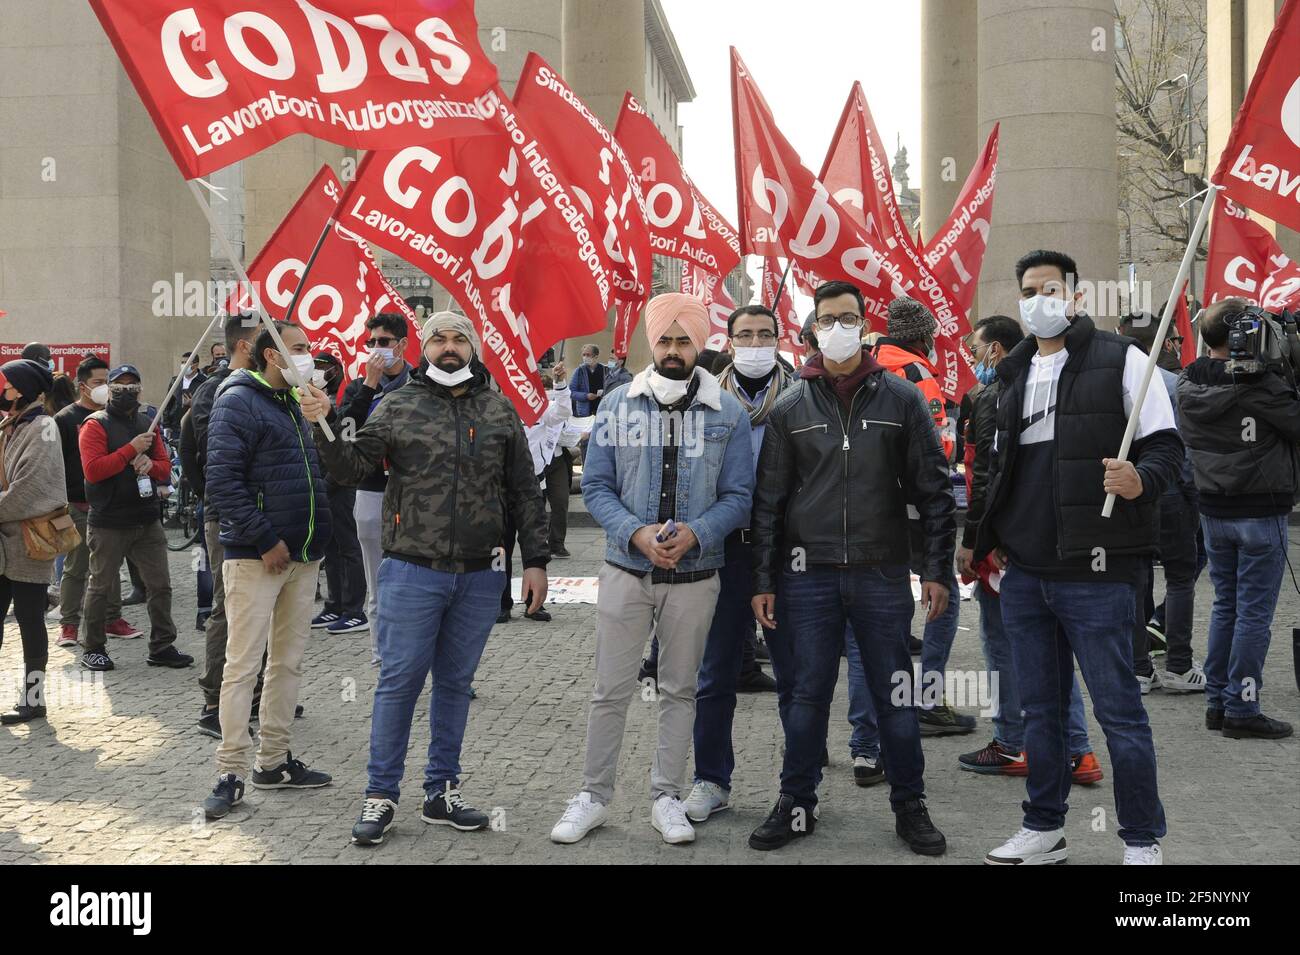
x: 99, y: 464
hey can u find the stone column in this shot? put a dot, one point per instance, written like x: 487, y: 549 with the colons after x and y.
x: 949, y: 106
x: 1047, y: 73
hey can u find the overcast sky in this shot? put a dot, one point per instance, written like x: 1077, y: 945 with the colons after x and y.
x: 804, y: 56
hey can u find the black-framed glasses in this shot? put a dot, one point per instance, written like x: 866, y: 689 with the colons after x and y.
x: 750, y: 338
x: 847, y: 320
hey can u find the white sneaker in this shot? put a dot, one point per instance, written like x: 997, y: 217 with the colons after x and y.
x: 1193, y: 681
x: 706, y: 799
x: 1149, y: 683
x: 1028, y: 847
x: 668, y: 815
x: 1143, y: 855
x: 581, y: 815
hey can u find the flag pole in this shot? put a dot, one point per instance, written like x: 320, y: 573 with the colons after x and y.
x: 291, y: 370
x: 1183, y: 269
x: 781, y: 288
x: 176, y: 382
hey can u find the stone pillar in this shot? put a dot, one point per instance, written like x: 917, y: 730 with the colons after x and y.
x: 94, y: 211
x: 1047, y: 73
x: 508, y: 30
x: 949, y: 106
x: 274, y: 179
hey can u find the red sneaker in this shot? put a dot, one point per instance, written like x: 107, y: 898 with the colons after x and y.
x: 68, y: 637
x: 1085, y: 770
x: 120, y: 628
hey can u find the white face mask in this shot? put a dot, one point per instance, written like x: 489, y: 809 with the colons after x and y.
x: 840, y: 343
x: 99, y: 394
x: 305, y: 365
x: 1044, y: 316
x: 450, y: 379
x: 668, y: 391
x: 754, y: 362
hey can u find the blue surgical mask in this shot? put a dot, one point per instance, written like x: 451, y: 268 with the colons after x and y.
x: 985, y: 374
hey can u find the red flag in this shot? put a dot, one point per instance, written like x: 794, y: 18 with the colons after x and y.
x: 1260, y: 165
x: 683, y: 224
x: 710, y: 289
x: 626, y: 315
x: 785, y: 210
x: 1183, y: 322
x: 956, y: 252
x: 590, y: 160
x: 1245, y: 261
x: 489, y: 219
x: 783, y: 308
x: 222, y: 81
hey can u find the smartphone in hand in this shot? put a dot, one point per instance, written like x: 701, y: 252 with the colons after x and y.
x: 668, y: 530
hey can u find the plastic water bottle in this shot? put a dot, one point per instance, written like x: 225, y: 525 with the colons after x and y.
x: 145, y: 484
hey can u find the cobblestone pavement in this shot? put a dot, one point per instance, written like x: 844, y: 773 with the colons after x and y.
x: 116, y: 775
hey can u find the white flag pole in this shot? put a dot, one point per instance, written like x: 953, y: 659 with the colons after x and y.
x: 1183, y: 270
x: 176, y: 382
x: 290, y: 371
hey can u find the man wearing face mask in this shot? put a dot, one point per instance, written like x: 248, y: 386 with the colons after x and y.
x: 1069, y: 574
x: 262, y: 473
x: 124, y: 462
x: 846, y: 450
x: 669, y: 475
x: 755, y: 380
x: 588, y: 383
x: 40, y: 353
x: 618, y: 373
x: 456, y: 453
x: 386, y: 371
x: 92, y: 396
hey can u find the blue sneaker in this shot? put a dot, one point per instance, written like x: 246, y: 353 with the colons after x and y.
x: 323, y: 620
x: 350, y: 624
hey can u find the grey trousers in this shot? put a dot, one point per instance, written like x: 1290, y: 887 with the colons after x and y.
x: 369, y: 512
x: 627, y: 608
x: 76, y: 574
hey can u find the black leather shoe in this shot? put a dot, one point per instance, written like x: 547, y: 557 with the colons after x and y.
x: 136, y: 596
x: 913, y: 825
x: 170, y: 657
x: 22, y: 713
x: 541, y: 616
x: 1214, y: 719
x: 503, y: 616
x: 1258, y: 726
x: 755, y: 681
x: 785, y: 823
x: 913, y: 646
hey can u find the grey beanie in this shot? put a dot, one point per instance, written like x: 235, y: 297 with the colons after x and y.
x: 909, y: 320
x: 451, y: 321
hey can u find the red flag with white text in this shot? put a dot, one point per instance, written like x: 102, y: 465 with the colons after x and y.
x: 783, y: 307
x: 222, y: 81
x: 1245, y: 261
x: 626, y: 315
x: 710, y: 289
x: 955, y: 254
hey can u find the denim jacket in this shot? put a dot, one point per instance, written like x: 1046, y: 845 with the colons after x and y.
x: 622, y: 473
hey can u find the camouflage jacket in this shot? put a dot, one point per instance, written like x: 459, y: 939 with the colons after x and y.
x: 455, y: 466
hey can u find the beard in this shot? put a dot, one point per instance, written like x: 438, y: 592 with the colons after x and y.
x: 674, y: 368
x: 449, y: 362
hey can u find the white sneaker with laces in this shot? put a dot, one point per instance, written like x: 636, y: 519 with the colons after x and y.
x: 1029, y: 847
x: 1193, y: 681
x: 668, y: 815
x: 1149, y: 683
x: 1143, y: 855
x: 581, y: 815
x: 706, y: 799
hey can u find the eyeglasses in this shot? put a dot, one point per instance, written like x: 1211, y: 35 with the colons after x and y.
x: 847, y: 320
x: 382, y: 341
x: 748, y: 338
x: 124, y: 389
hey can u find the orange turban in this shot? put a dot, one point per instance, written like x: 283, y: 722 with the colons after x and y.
x: 687, y: 310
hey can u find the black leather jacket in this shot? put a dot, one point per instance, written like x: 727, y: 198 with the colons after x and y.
x: 837, y: 486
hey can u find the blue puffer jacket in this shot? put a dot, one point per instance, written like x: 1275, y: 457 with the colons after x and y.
x: 262, y: 472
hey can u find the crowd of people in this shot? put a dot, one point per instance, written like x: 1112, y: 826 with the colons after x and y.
x: 737, y: 495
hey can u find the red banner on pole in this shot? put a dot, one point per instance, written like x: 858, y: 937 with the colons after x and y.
x: 1245, y: 261
x: 782, y: 306
x: 710, y: 289
x: 683, y: 224
x: 223, y: 81
x: 1260, y: 165
x: 955, y: 253
x: 626, y: 315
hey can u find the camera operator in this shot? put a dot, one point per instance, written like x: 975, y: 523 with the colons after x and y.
x: 1240, y: 417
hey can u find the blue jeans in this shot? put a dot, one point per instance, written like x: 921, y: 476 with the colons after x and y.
x: 427, y: 620
x: 936, y: 642
x: 1008, y: 724
x: 715, y: 693
x: 1051, y: 623
x: 1247, y: 555
x: 876, y: 602
x: 865, y: 739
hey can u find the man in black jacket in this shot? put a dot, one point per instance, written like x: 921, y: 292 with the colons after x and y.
x: 386, y: 371
x: 847, y: 447
x: 1242, y: 429
x: 1068, y: 586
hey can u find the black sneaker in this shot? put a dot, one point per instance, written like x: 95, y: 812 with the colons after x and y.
x: 170, y: 657
x: 136, y: 596
x: 22, y: 713
x: 755, y: 681
x: 1156, y: 642
x: 291, y: 774
x: 377, y: 817
x: 1214, y: 719
x: 1258, y: 726
x: 97, y: 661
x: 913, y: 825
x: 201, y: 620
x: 541, y: 616
x: 226, y: 795
x: 785, y: 823
x: 913, y: 645
x: 867, y: 771
x: 993, y: 760
x: 210, y: 723
x: 560, y: 552
x: 448, y: 808
x: 504, y: 616
x: 647, y: 672
x: 943, y: 720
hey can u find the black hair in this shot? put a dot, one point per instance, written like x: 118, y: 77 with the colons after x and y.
x: 89, y: 365
x: 394, y: 323
x: 1213, y: 322
x: 1001, y: 329
x: 809, y: 332
x: 240, y: 328
x: 835, y: 290
x: 265, y: 341
x: 1069, y: 271
x: 213, y: 346
x: 753, y: 310
x: 62, y: 393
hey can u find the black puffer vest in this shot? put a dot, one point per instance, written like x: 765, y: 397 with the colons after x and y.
x: 117, y: 501
x: 1090, y: 423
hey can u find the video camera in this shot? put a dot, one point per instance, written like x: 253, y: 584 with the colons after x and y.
x: 1259, y: 341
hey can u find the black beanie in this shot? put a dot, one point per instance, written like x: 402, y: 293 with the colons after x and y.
x: 30, y: 378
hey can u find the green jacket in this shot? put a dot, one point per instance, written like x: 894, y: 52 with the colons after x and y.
x: 455, y: 466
